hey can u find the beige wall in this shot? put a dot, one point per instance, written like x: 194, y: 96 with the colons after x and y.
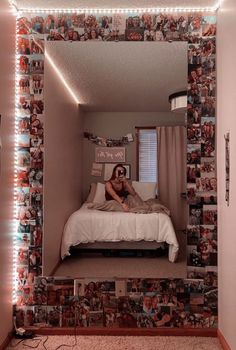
x: 115, y: 125
x: 7, y: 65
x: 226, y: 59
x: 63, y: 163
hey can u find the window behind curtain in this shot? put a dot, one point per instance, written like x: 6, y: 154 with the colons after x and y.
x: 147, y: 154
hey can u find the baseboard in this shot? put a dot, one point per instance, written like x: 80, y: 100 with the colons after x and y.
x: 6, y: 342
x: 194, y: 332
x: 222, y: 341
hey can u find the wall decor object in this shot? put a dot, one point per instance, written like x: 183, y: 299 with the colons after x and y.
x: 96, y: 169
x: 110, y: 155
x: 108, y: 142
x: 227, y: 166
x: 109, y: 168
x: 193, y: 299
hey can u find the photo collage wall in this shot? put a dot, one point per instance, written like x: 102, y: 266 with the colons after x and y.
x: 190, y: 302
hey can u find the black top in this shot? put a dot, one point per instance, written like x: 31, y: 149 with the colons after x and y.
x: 121, y: 193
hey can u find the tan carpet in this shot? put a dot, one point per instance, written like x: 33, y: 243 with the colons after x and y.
x: 122, y: 343
x: 99, y: 266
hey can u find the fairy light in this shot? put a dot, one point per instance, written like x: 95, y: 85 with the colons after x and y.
x: 114, y: 10
x: 14, y: 272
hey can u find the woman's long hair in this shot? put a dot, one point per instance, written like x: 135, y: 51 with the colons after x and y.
x: 113, y: 175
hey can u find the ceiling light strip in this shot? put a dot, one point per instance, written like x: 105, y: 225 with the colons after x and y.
x: 60, y: 75
x: 120, y: 10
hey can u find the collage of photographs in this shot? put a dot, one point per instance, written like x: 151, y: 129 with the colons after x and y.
x: 132, y: 303
x: 190, y: 302
x: 29, y: 172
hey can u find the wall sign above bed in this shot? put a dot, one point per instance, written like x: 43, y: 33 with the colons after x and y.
x: 110, y: 155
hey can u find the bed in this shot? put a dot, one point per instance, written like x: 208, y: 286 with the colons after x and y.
x: 95, y: 227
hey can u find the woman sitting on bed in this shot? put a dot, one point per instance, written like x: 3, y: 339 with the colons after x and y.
x: 118, y: 188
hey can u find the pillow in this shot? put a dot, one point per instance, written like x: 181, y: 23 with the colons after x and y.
x: 100, y: 193
x: 145, y: 190
x: 92, y: 193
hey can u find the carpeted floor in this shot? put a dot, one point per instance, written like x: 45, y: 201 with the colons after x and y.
x: 97, y: 265
x: 119, y: 343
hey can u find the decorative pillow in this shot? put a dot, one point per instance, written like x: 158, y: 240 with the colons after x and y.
x: 145, y: 190
x: 92, y: 193
x: 100, y: 193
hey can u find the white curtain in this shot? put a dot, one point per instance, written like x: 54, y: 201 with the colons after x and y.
x: 171, y: 164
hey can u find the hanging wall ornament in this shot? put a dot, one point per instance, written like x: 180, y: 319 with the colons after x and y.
x: 108, y: 142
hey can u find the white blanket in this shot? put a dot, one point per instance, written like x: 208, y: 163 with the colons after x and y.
x: 87, y: 226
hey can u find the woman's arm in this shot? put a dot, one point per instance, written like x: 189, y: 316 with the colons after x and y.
x: 129, y: 188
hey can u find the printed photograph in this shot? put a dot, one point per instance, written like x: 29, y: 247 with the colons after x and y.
x: 36, y: 125
x: 35, y: 178
x: 22, y: 196
x: 54, y: 316
x: 193, y: 235
x: 194, y: 54
x: 208, y: 107
x: 206, y: 184
x: 135, y: 34
x: 36, y: 197
x: 22, y: 177
x: 193, y: 153
x: 195, y: 215
x: 40, y: 316
x: 208, y: 128
x: 208, y: 148
x: 23, y: 46
x: 23, y: 124
x: 37, y: 154
x: 194, y: 133
x: 36, y: 65
x: 96, y: 319
x: 193, y: 172
x: 23, y: 239
x: 36, y: 235
x: 35, y: 257
x: 24, y: 65
x: 207, y: 167
x: 210, y: 215
x: 68, y: 316
x: 193, y: 114
x: 36, y: 84
x: 22, y: 256
x: 23, y: 140
x: 23, y: 25
x: 59, y: 291
x: 191, y: 193
x: 24, y: 85
x: 37, y: 24
x: 36, y: 45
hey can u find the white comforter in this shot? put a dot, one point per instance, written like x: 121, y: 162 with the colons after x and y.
x: 88, y: 225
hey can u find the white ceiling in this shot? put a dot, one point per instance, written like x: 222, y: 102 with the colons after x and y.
x: 52, y: 4
x: 122, y: 76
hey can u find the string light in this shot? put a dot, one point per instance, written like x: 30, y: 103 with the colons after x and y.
x: 122, y: 10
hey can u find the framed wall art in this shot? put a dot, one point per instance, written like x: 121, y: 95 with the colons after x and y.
x: 109, y: 154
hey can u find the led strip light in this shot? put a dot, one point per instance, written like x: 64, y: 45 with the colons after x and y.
x: 88, y: 10
x: 15, y: 169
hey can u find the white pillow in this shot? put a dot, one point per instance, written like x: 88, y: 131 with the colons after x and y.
x: 145, y: 190
x: 100, y: 193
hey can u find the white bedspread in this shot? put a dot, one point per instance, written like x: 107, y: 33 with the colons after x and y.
x: 88, y: 225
